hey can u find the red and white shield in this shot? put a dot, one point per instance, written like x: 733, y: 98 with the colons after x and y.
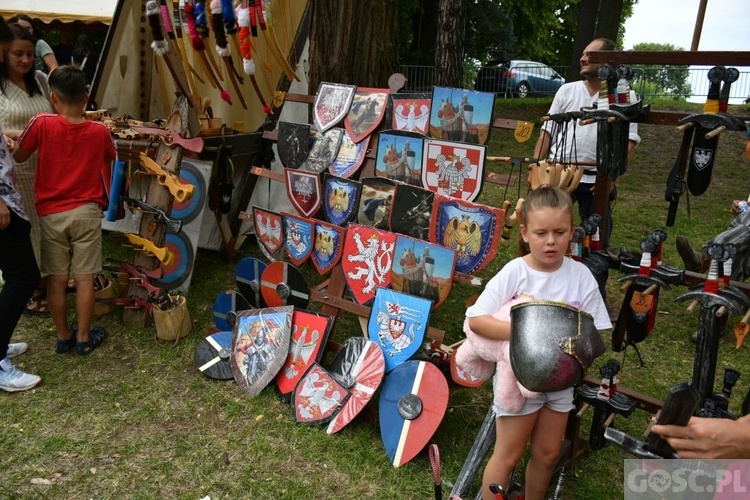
x: 268, y: 229
x: 367, y: 260
x: 332, y: 103
x: 396, y: 327
x: 453, y: 169
x: 303, y: 189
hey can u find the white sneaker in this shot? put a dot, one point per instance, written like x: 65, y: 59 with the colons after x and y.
x: 15, y: 380
x: 16, y: 348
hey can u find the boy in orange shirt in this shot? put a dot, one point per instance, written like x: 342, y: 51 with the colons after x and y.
x: 72, y: 174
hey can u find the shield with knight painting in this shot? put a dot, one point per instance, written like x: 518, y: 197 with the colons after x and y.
x: 471, y: 229
x: 298, y: 234
x: 423, y: 269
x: 332, y: 103
x: 349, y: 158
x: 318, y: 397
x: 327, y: 246
x: 375, y: 202
x: 309, y: 336
x: 399, y: 157
x: 340, y: 199
x: 324, y: 149
x: 412, y: 211
x: 453, y: 168
x: 367, y: 260
x: 461, y: 115
x: 260, y: 346
x: 303, y: 190
x: 366, y: 112
x: 397, y: 323
x: 293, y: 143
x: 409, y: 112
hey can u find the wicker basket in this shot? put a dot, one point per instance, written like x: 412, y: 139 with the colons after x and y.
x: 173, y: 324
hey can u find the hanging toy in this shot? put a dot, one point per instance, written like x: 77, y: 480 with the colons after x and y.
x: 222, y: 47
x: 248, y: 65
x: 197, y: 43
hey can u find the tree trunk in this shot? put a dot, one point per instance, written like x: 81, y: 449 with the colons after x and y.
x: 352, y: 42
x: 450, y: 44
x: 584, y: 34
x: 609, y: 19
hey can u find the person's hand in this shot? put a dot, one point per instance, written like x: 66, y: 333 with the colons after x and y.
x: 736, y: 207
x: 708, y: 438
x: 9, y: 142
x: 4, y: 215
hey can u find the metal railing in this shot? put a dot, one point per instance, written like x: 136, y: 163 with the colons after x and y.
x: 645, y: 83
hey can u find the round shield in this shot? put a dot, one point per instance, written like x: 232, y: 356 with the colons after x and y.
x: 412, y: 404
x: 359, y: 366
x: 551, y: 345
x: 212, y: 356
x: 283, y: 284
x: 189, y: 209
x: 182, y: 267
x: 226, y: 306
x: 248, y: 273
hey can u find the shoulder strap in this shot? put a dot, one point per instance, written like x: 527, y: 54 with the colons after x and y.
x: 41, y: 80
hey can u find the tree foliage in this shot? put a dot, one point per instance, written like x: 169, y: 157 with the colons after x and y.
x: 658, y: 79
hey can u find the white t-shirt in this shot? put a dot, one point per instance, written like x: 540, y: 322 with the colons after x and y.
x: 572, y: 284
x: 572, y: 97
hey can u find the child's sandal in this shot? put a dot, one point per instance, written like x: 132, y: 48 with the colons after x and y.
x: 64, y: 346
x: 96, y: 337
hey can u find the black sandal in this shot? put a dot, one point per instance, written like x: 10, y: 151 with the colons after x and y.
x: 96, y: 337
x: 64, y: 346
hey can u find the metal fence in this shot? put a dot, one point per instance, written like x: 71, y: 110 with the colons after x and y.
x: 422, y: 78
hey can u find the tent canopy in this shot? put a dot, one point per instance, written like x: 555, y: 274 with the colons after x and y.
x: 65, y: 11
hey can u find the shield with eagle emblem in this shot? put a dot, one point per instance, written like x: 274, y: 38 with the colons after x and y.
x: 471, y: 229
x: 332, y: 103
x: 318, y: 397
x: 409, y: 112
x: 397, y: 323
x: 303, y: 190
x: 340, y: 199
x: 328, y: 242
x: 297, y: 237
x: 453, y: 168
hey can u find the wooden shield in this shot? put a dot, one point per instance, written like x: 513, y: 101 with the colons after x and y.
x: 226, y: 307
x: 359, y: 366
x: 413, y: 400
x: 375, y: 202
x: 453, y: 169
x: 332, y: 103
x: 471, y: 229
x: 397, y: 323
x: 327, y: 246
x: 324, y: 150
x: 423, y: 269
x: 268, y: 229
x: 317, y: 397
x: 212, y: 356
x: 340, y: 199
x: 247, y: 274
x: 293, y: 143
x: 399, y: 157
x: 349, y: 158
x: 303, y: 190
x: 461, y: 115
x: 411, y: 211
x: 410, y: 112
x: 367, y: 261
x: 283, y: 284
x: 260, y: 346
x: 366, y: 112
x: 298, y: 234
x: 309, y: 336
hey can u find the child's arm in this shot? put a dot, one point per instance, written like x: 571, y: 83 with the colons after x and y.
x: 488, y: 327
x: 20, y: 154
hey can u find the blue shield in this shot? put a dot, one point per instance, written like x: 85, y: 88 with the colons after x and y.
x: 297, y: 237
x: 340, y: 199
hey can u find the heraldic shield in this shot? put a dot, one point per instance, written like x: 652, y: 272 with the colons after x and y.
x: 309, y: 335
x: 293, y: 143
x: 327, y: 246
x: 268, y: 229
x: 317, y: 397
x: 366, y: 112
x: 423, y: 269
x: 340, y: 199
x: 471, y: 229
x: 453, y: 168
x: 298, y: 234
x: 349, y: 158
x: 303, y: 190
x: 413, y: 401
x: 367, y: 261
x: 261, y: 343
x: 397, y: 323
x: 332, y: 103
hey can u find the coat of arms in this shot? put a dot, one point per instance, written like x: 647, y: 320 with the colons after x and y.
x: 328, y: 242
x: 303, y: 190
x: 453, y: 169
x: 332, y: 103
x: 367, y: 260
x: 340, y: 199
x: 297, y: 237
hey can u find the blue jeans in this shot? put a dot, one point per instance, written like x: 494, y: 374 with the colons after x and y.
x: 20, y: 273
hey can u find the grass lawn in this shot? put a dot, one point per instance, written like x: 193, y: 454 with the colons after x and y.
x: 135, y: 419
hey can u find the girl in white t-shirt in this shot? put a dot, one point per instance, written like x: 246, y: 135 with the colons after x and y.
x: 541, y: 273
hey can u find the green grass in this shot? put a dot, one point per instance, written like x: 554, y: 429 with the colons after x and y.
x: 135, y: 419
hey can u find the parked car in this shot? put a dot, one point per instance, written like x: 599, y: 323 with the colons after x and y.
x: 518, y: 78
